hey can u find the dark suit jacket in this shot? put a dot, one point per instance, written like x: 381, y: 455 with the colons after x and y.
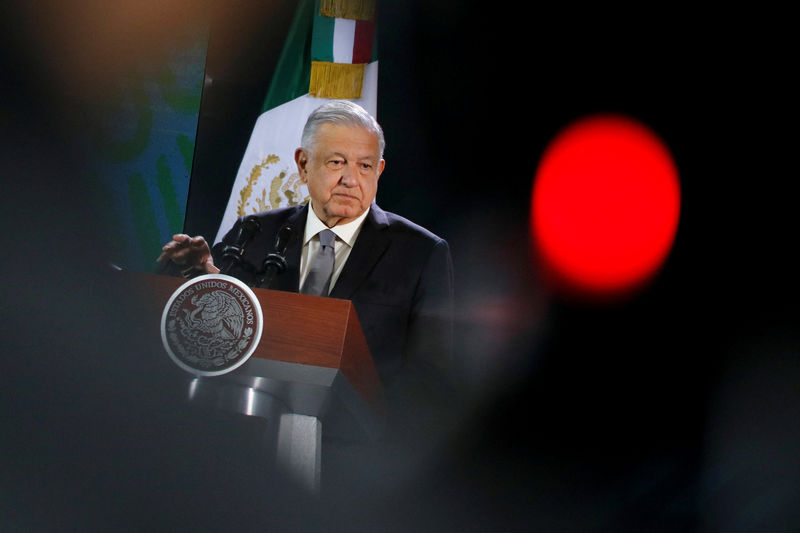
x: 399, y: 277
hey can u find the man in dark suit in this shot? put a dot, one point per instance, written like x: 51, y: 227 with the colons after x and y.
x: 398, y: 275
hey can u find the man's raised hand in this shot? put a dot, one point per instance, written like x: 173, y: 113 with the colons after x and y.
x: 187, y: 251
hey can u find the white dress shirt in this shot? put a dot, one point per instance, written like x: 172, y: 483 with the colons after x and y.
x: 346, y: 235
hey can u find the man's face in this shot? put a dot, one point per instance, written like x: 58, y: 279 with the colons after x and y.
x: 342, y: 172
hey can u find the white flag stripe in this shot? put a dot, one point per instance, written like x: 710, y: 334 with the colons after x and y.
x: 344, y: 35
x: 278, y: 132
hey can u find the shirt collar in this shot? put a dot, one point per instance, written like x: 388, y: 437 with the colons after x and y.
x: 345, y: 232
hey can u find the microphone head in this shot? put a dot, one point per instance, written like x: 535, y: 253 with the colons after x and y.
x: 282, y: 239
x: 251, y: 225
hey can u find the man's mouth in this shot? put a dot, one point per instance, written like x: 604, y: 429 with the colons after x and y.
x: 345, y: 195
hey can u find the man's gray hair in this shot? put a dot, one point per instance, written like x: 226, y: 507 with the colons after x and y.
x: 343, y: 113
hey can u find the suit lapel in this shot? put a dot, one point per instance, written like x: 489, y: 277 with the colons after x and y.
x: 289, y: 280
x: 371, y: 244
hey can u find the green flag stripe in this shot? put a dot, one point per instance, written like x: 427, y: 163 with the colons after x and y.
x: 293, y: 71
x: 322, y: 40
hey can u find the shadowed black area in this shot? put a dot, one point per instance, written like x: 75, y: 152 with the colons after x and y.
x: 675, y: 410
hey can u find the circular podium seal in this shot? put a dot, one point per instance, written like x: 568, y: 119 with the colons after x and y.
x: 211, y: 325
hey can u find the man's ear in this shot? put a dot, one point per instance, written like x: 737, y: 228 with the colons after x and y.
x: 381, y: 165
x: 301, y: 159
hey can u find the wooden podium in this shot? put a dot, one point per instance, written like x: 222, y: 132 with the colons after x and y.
x: 311, y: 369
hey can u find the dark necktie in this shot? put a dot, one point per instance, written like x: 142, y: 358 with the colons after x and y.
x: 318, y: 281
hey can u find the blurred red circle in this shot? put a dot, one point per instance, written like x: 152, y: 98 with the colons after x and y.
x: 605, y: 205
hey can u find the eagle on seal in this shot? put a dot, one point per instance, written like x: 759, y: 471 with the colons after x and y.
x: 217, y: 314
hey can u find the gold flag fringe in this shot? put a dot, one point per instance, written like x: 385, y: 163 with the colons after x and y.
x: 336, y: 80
x: 348, y: 9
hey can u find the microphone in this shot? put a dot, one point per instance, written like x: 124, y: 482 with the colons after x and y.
x: 275, y: 263
x: 232, y: 253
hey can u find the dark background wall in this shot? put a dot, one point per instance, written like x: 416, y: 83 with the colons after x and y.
x: 675, y: 410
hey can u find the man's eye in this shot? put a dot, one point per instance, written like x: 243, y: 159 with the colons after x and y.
x: 335, y: 163
x: 366, y: 166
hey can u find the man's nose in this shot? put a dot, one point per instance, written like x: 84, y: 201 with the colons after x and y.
x: 348, y: 176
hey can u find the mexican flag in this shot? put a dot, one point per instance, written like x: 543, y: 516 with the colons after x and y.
x: 329, y: 54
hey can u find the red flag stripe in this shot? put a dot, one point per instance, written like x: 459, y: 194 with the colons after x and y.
x: 363, y: 40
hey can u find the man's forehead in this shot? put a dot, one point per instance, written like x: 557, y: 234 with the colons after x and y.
x: 347, y: 140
